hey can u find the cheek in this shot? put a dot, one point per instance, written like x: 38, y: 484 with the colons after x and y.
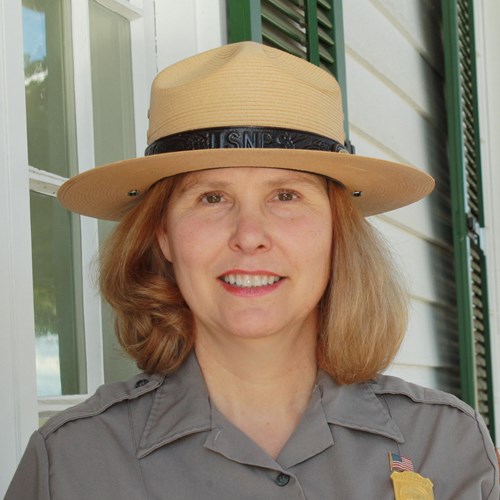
x: 315, y: 238
x: 321, y: 263
x: 320, y: 251
x: 192, y: 245
x: 316, y: 245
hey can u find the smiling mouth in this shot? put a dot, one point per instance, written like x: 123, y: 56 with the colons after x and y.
x: 250, y: 281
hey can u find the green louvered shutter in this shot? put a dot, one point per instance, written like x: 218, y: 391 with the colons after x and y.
x: 311, y: 29
x: 467, y: 205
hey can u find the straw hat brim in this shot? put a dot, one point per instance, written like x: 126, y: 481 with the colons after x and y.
x: 109, y: 191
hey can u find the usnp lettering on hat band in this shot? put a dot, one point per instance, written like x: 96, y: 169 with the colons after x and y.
x: 245, y: 138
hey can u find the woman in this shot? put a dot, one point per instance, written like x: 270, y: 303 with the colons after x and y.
x: 261, y: 307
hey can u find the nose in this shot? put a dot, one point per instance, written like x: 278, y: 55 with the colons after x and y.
x: 251, y: 231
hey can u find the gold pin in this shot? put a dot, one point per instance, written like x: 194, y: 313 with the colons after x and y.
x: 408, y: 485
x: 411, y: 486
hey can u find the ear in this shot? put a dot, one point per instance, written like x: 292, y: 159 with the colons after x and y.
x: 163, y: 242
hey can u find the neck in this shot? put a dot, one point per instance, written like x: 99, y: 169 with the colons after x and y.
x: 262, y: 386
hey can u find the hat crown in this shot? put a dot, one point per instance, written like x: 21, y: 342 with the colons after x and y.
x: 287, y: 111
x: 245, y: 84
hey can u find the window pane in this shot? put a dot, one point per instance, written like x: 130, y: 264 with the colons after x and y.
x: 57, y: 298
x: 114, y: 136
x: 55, y: 240
x: 49, y: 86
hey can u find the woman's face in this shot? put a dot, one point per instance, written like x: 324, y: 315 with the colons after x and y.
x: 250, y: 248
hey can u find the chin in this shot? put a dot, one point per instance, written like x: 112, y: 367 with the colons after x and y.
x: 252, y: 333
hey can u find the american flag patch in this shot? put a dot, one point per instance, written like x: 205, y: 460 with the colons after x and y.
x: 399, y: 463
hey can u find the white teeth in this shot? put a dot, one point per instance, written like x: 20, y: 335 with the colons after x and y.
x: 250, y: 280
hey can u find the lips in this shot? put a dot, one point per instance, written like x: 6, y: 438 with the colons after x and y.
x: 250, y: 280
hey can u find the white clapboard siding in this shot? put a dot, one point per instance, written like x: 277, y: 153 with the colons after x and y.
x: 425, y: 265
x: 390, y: 120
x: 419, y: 21
x: 424, y: 215
x: 397, y: 112
x: 412, y: 69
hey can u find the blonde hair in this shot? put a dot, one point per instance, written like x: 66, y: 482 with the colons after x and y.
x: 362, y: 315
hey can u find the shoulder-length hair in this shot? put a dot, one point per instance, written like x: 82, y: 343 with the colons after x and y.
x: 362, y: 314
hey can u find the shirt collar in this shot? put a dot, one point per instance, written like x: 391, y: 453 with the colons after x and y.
x: 356, y: 406
x: 181, y: 406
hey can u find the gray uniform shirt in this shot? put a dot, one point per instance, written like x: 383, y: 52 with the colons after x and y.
x: 160, y: 438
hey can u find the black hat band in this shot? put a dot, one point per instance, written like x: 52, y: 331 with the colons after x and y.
x: 246, y: 138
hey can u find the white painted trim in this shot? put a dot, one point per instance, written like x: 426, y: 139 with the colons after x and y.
x: 48, y: 407
x: 44, y: 182
x: 143, y: 70
x: 83, y: 85
x: 487, y: 20
x: 18, y: 418
x: 89, y: 228
x: 210, y: 23
x: 59, y: 403
x: 92, y: 316
x: 187, y: 28
x: 123, y: 8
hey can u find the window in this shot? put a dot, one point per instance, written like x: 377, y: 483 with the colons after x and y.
x: 51, y: 131
x: 75, y: 54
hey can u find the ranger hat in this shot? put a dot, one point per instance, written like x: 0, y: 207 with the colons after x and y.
x: 244, y: 105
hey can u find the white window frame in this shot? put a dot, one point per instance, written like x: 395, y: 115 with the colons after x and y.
x: 18, y: 417
x: 143, y: 70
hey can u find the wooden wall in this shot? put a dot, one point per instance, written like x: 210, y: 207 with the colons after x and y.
x: 395, y: 87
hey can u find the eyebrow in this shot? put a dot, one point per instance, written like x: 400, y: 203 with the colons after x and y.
x: 193, y: 182
x: 299, y: 178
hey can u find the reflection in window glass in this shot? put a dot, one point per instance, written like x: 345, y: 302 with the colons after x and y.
x: 55, y: 233
x: 58, y: 312
x: 114, y: 135
x: 48, y: 86
x: 112, y: 95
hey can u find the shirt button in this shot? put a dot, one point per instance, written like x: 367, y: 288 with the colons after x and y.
x: 141, y: 382
x: 282, y: 479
